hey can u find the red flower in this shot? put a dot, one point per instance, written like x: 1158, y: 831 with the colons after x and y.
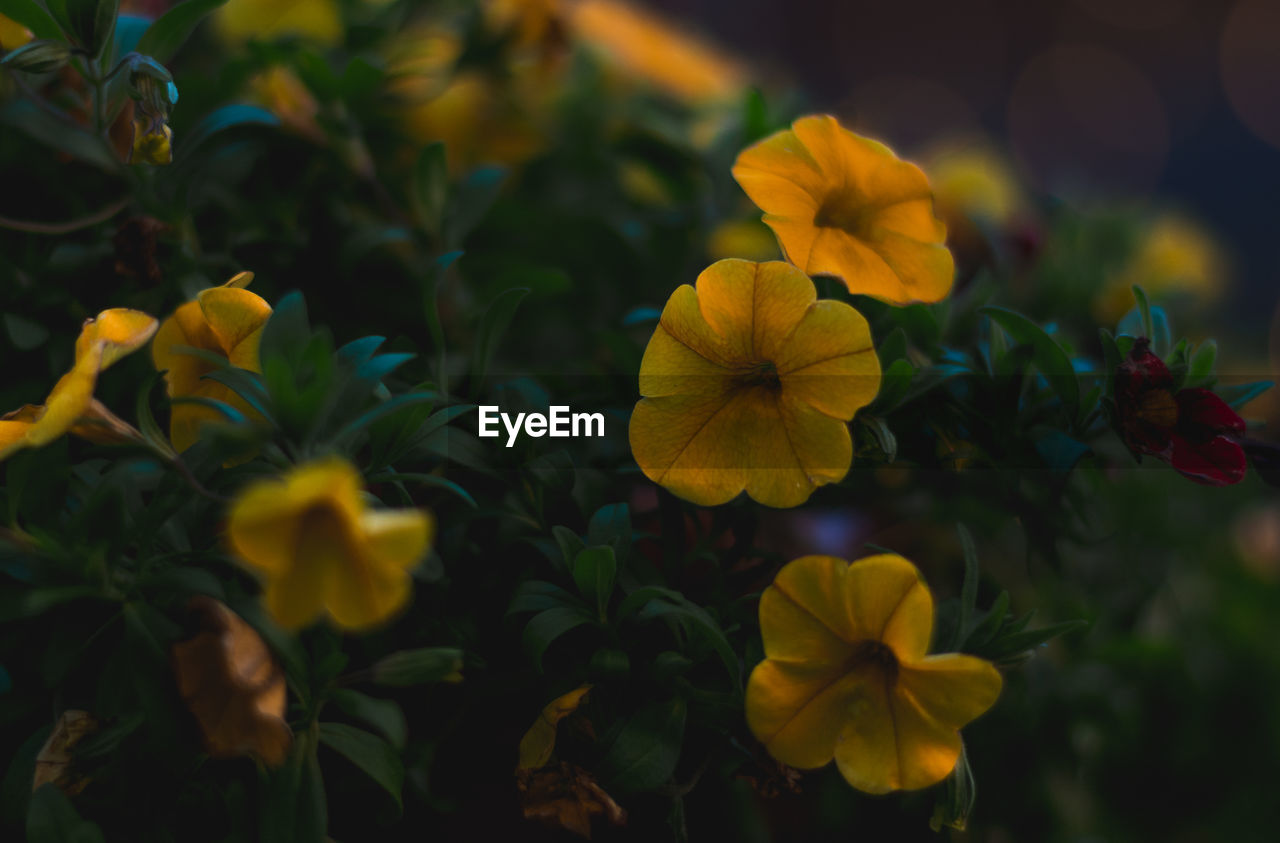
x: 1193, y: 430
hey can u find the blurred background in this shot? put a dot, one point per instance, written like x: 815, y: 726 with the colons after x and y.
x: 1176, y: 100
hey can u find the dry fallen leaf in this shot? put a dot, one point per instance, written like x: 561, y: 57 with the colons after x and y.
x: 565, y: 796
x: 233, y: 685
x: 53, y: 762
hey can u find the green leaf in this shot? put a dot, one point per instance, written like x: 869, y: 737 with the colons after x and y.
x: 287, y: 331
x: 384, y: 715
x: 895, y: 383
x: 539, y: 595
x: 651, y: 602
x: 418, y: 667
x: 611, y: 525
x: 1049, y: 357
x: 1144, y: 312
x: 293, y: 805
x: 223, y: 119
x: 1059, y: 450
x: 382, y: 410
x: 51, y: 818
x: 429, y: 189
x: 1238, y: 395
x: 548, y: 625
x: 594, y: 570
x: 495, y: 321
x: 885, y: 439
x: 63, y: 136
x: 91, y: 23
x: 25, y: 334
x: 34, y: 17
x: 989, y: 625
x: 432, y: 480
x: 570, y: 545
x: 163, y: 38
x: 647, y: 749
x: 475, y: 196
x: 1200, y: 369
x: 969, y: 587
x: 893, y: 348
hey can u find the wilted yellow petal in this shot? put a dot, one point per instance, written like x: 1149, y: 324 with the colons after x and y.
x: 120, y: 330
x: 540, y: 740
x: 68, y: 401
x: 845, y: 205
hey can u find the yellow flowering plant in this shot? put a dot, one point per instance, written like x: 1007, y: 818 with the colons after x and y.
x: 518, y: 487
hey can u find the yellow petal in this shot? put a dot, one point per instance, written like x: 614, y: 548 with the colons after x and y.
x: 693, y: 444
x: 781, y: 177
x: 69, y: 399
x: 682, y: 318
x: 235, y: 316
x: 13, y: 34
x: 397, y: 539
x: 13, y: 434
x: 798, y: 711
x: 671, y: 367
x: 120, y: 330
x: 863, y: 270
x: 926, y: 270
x: 296, y: 598
x: 753, y: 306
x: 860, y: 166
x: 803, y: 615
x: 240, y: 280
x: 951, y: 687
x: 889, y: 603
x: 264, y: 520
x: 361, y: 594
x: 186, y: 327
x: 319, y: 21
x: 540, y: 740
x: 829, y: 361
x: 931, y: 700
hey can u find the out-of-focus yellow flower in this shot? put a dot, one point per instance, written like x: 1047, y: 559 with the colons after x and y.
x: 747, y: 239
x: 152, y: 140
x: 321, y: 549
x: 13, y: 34
x: 226, y: 321
x: 478, y: 121
x: 643, y: 46
x: 972, y: 181
x: 279, y: 90
x: 540, y: 741
x: 845, y: 205
x: 528, y: 22
x: 71, y: 406
x: 1174, y: 257
x: 846, y: 675
x: 319, y: 21
x: 748, y: 383
x: 233, y: 686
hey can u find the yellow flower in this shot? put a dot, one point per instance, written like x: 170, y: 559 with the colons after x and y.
x: 226, y: 321
x: 971, y: 180
x: 1174, y: 256
x: 71, y: 406
x: 845, y: 205
x: 279, y: 90
x: 540, y: 740
x: 321, y: 549
x: 13, y: 34
x: 643, y: 46
x: 746, y: 239
x: 152, y: 140
x: 845, y: 675
x: 318, y: 21
x: 749, y: 381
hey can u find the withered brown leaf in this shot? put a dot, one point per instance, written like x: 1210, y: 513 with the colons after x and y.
x: 563, y: 795
x: 233, y: 685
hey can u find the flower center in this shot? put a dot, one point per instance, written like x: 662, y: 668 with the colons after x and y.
x: 845, y: 210
x: 763, y: 374
x: 1158, y: 407
x: 874, y: 656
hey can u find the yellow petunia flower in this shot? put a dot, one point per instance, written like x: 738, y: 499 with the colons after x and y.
x: 152, y: 141
x: 13, y: 34
x: 71, y: 407
x: 226, y: 321
x: 318, y: 21
x: 844, y: 205
x: 1174, y: 257
x: 643, y: 46
x: 748, y: 383
x: 846, y: 675
x: 321, y: 549
x: 970, y: 180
